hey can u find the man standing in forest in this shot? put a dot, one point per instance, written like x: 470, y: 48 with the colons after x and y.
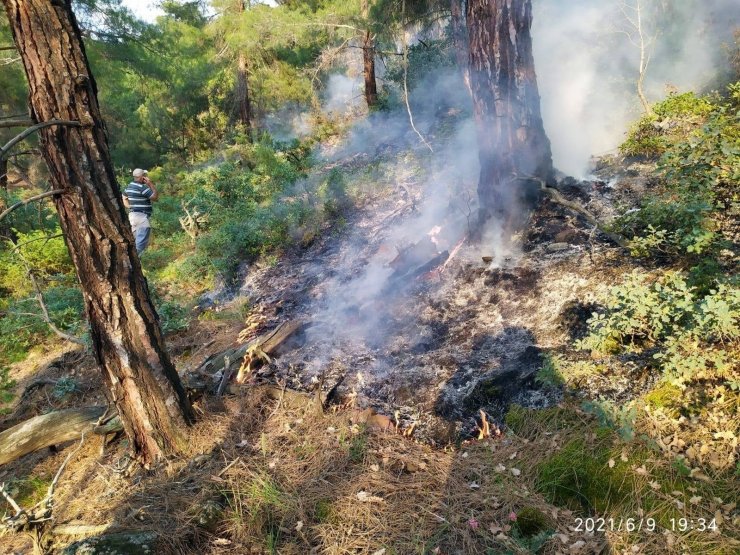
x: 138, y: 198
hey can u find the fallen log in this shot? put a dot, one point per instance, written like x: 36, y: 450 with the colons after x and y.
x: 53, y: 428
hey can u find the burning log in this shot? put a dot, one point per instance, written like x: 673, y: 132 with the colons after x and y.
x: 244, y: 358
x: 418, y: 271
x: 412, y: 256
x: 269, y: 344
x: 54, y: 428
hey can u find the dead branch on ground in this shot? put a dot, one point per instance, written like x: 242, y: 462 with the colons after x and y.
x: 54, y: 428
x: 558, y: 198
x: 34, y: 520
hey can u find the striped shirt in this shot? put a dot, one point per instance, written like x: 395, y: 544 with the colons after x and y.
x: 138, y: 195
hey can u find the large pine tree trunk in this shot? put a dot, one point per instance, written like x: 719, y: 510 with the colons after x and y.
x: 368, y: 59
x: 511, y: 137
x: 125, y: 333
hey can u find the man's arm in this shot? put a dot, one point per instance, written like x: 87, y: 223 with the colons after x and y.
x: 125, y: 200
x: 155, y: 194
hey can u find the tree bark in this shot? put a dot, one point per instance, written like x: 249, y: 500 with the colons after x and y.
x: 506, y: 103
x: 126, y: 338
x: 4, y: 173
x: 244, y: 105
x: 242, y: 94
x: 460, y: 38
x: 368, y: 58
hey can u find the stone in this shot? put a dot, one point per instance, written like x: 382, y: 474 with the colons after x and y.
x: 557, y: 247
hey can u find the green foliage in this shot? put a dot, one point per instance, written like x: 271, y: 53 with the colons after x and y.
x: 173, y: 316
x: 6, y: 386
x: 690, y: 335
x: 532, y: 544
x: 618, y: 418
x: 424, y: 59
x: 254, y: 204
x: 691, y: 215
x: 22, y: 326
x: 357, y: 447
x: 45, y: 252
x: 652, y: 134
x: 578, y: 476
x: 550, y: 374
x: 21, y: 323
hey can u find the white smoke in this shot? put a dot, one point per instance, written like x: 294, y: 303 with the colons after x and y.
x: 587, y: 67
x: 343, y: 94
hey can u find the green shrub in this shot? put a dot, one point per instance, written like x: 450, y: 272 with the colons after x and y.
x: 653, y: 134
x: 22, y: 326
x: 172, y: 316
x: 44, y: 252
x: 6, y: 386
x: 690, y: 335
x: 692, y: 213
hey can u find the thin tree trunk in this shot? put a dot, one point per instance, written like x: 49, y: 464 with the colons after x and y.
x: 368, y: 58
x: 644, y: 61
x: 244, y: 105
x: 460, y: 38
x: 506, y: 103
x: 4, y: 174
x: 242, y: 94
x: 124, y: 330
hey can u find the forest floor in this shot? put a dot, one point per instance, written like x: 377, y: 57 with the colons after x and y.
x: 413, y: 414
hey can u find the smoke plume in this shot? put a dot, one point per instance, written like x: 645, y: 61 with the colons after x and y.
x: 587, y: 66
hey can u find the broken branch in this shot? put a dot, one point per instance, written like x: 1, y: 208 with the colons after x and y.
x: 556, y: 197
x: 26, y: 132
x: 30, y: 200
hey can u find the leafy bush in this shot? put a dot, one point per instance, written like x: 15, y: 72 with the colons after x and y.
x: 423, y: 59
x: 652, y: 134
x: 6, y: 385
x: 22, y: 326
x: 692, y: 214
x: 690, y: 336
x: 45, y: 252
x: 172, y: 316
x: 249, y: 205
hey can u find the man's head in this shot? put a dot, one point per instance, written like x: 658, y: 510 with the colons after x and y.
x: 139, y: 175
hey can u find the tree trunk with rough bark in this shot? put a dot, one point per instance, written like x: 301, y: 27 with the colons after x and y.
x: 124, y: 328
x: 511, y: 137
x: 368, y: 58
x: 244, y: 105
